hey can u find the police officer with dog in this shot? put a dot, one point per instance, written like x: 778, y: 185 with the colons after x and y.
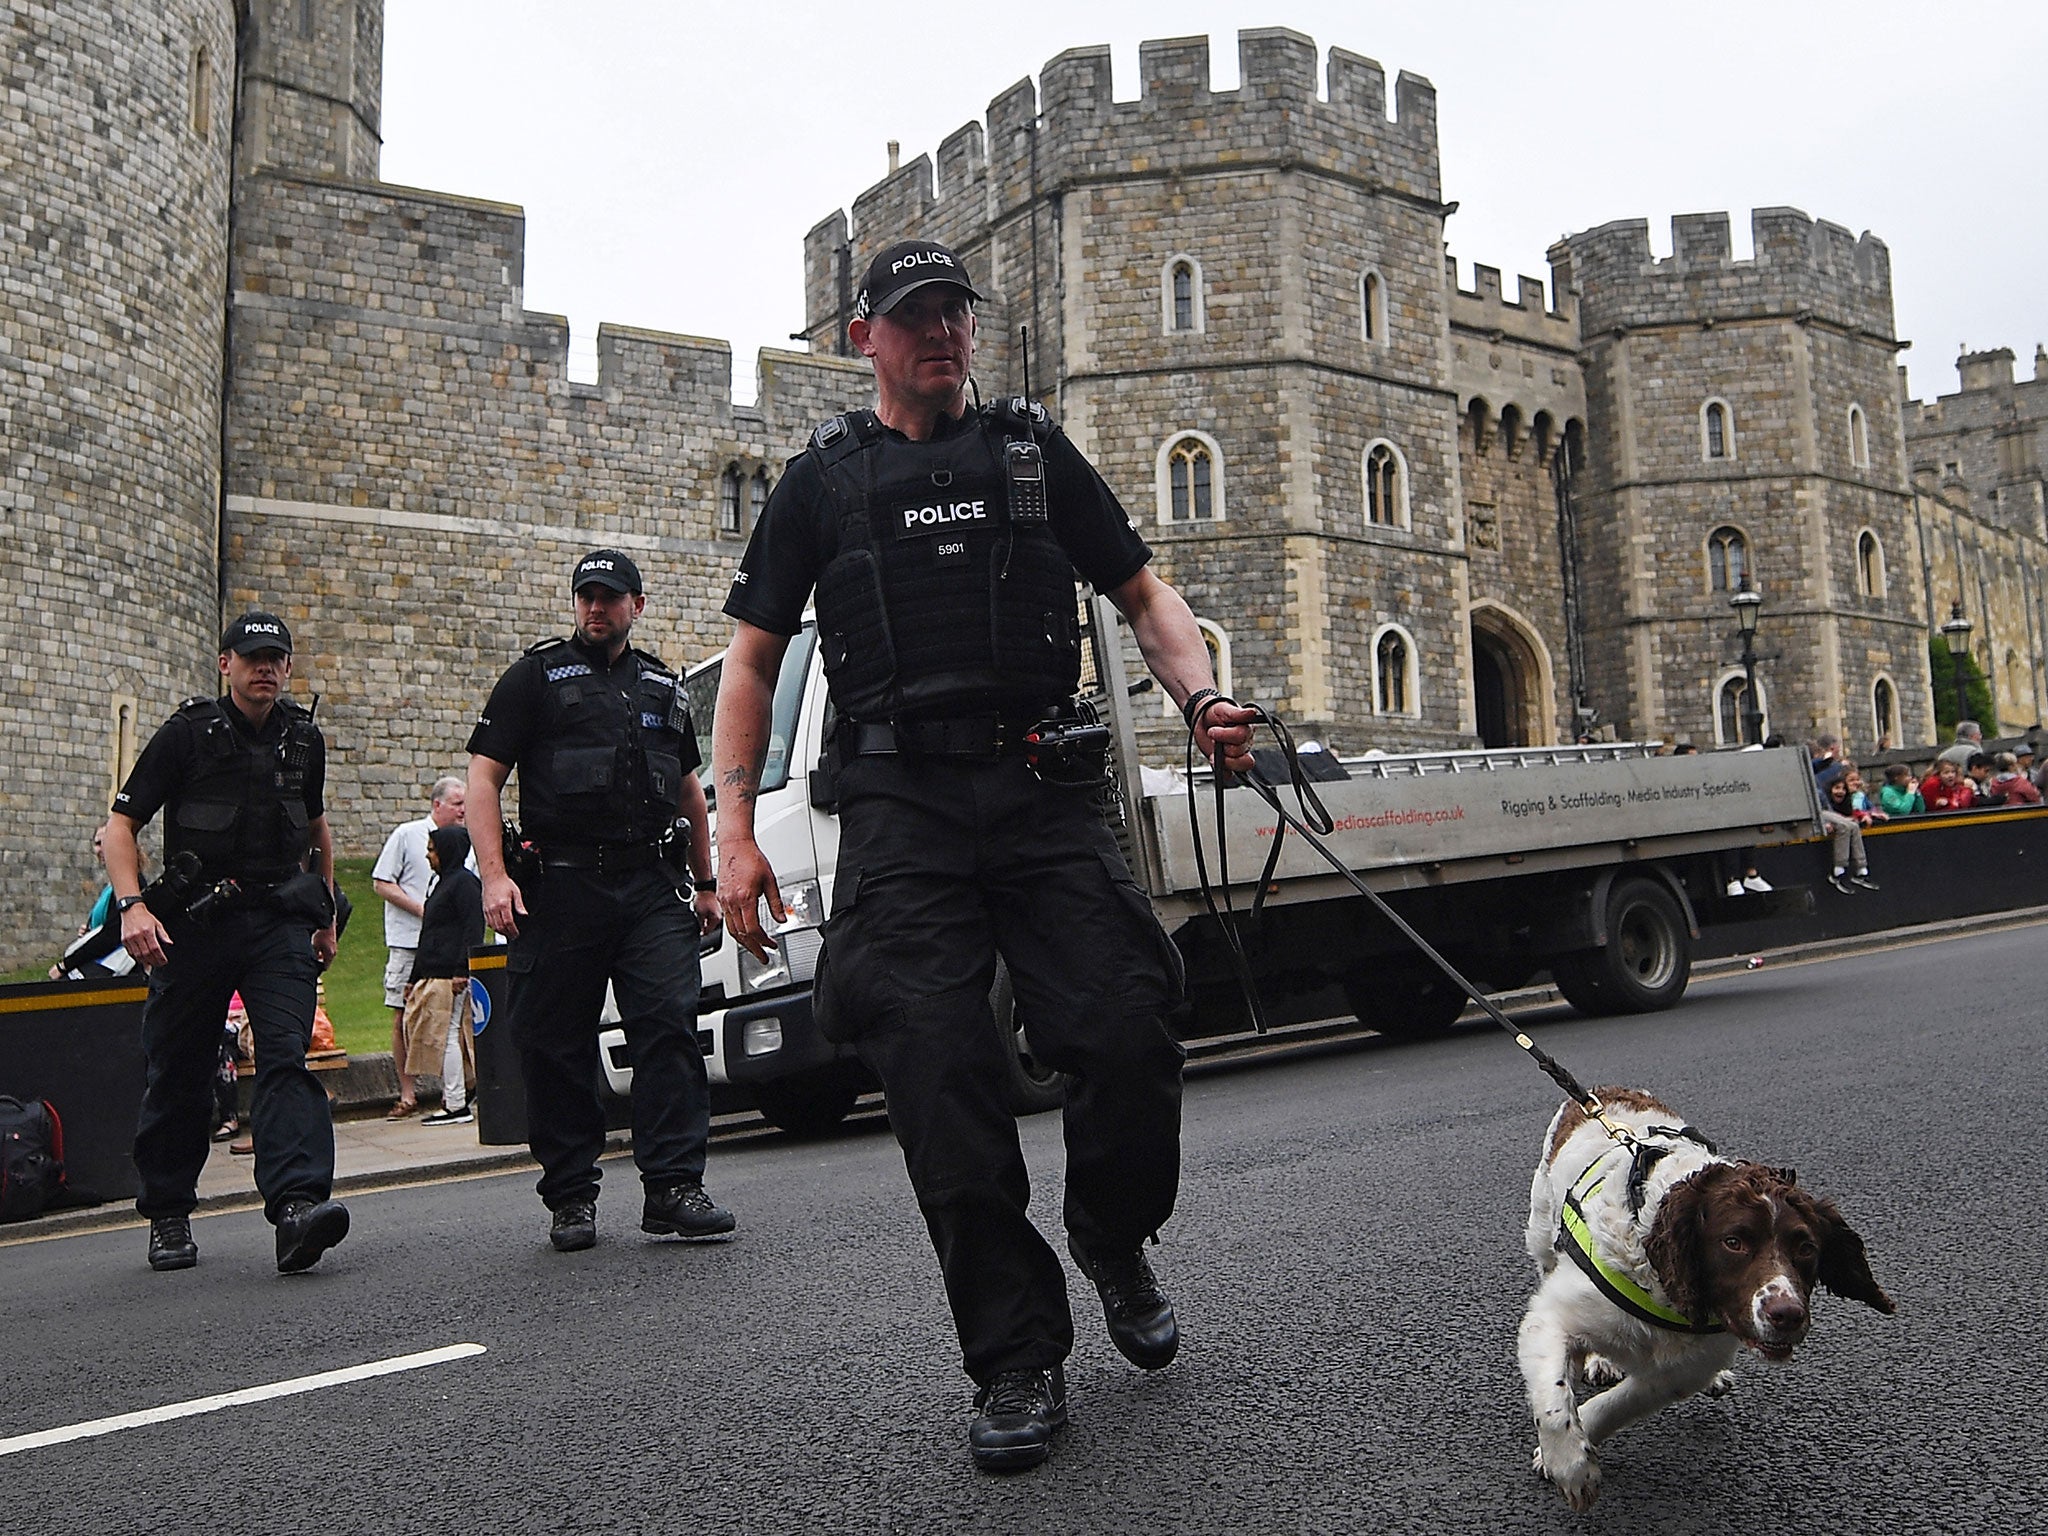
x: 943, y: 541
x: 616, y: 889
x: 241, y: 780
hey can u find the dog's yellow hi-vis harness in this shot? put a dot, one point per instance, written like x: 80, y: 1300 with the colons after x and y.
x: 1575, y: 1238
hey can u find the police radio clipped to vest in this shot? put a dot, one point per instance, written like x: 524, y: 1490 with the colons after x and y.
x: 1024, y: 464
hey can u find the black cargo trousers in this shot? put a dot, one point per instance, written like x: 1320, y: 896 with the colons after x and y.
x: 633, y: 928
x: 943, y: 862
x: 267, y: 956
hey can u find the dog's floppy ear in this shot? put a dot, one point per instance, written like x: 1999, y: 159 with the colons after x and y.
x: 1675, y: 1244
x: 1844, y: 1266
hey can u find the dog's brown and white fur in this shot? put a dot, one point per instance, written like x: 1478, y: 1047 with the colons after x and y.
x: 1730, y: 1242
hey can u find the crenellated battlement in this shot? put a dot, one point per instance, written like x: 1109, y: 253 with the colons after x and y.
x: 1069, y: 130
x: 1802, y: 265
x: 1484, y: 307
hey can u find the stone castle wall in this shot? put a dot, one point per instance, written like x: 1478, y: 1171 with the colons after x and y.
x: 413, y: 473
x: 115, y: 203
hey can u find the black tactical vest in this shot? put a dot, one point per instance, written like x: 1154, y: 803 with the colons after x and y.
x: 606, y: 763
x: 242, y: 810
x: 949, y: 592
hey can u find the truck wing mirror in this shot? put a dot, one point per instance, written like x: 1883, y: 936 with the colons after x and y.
x: 824, y: 785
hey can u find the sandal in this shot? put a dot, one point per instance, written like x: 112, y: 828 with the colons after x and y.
x: 228, y: 1130
x: 246, y: 1147
x: 404, y: 1109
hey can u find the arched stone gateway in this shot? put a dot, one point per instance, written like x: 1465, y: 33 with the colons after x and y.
x: 1511, y: 683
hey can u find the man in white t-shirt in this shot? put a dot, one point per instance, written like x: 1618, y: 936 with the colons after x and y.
x: 401, y: 878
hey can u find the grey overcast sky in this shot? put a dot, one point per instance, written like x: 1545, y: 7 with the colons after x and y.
x: 670, y: 155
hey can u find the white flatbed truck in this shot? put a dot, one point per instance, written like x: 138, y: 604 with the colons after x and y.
x: 1597, y: 863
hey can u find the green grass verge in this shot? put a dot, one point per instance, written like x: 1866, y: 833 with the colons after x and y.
x: 355, y: 982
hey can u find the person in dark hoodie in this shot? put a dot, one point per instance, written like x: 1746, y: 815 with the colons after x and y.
x: 437, y: 1033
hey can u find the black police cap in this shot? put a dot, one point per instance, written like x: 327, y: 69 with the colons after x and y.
x: 606, y: 568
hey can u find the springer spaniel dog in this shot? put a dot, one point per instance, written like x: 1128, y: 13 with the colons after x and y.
x: 1657, y: 1267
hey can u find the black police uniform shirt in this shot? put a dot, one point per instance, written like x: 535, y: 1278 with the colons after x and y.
x: 798, y: 532
x: 515, y: 714
x: 166, y: 763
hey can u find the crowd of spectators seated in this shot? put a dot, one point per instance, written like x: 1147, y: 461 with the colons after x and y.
x: 1963, y: 777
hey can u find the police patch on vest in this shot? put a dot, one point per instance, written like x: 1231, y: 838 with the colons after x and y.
x: 571, y: 669
x: 943, y: 517
x: 652, y: 722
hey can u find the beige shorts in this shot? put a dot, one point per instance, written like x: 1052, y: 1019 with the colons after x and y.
x: 397, y: 972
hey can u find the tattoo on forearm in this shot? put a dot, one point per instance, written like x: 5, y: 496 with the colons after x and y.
x: 738, y: 777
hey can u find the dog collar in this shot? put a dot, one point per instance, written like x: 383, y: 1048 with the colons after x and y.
x: 1575, y: 1238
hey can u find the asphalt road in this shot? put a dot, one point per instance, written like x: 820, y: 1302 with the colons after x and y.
x: 1346, y: 1261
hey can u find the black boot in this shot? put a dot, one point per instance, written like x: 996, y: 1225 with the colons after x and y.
x: 1017, y: 1413
x: 574, y: 1226
x: 170, y: 1243
x: 1140, y: 1318
x: 684, y: 1210
x: 305, y: 1230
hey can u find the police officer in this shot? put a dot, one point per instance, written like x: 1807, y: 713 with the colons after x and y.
x: 600, y: 733
x: 942, y: 543
x: 241, y: 780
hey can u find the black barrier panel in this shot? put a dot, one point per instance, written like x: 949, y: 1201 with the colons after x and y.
x: 1927, y: 868
x: 79, y: 1045
x: 500, y: 1084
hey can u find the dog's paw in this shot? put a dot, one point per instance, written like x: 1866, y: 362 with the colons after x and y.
x: 1721, y: 1385
x: 1575, y: 1470
x: 1599, y: 1373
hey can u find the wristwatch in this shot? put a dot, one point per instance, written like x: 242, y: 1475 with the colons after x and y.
x: 704, y: 887
x: 126, y: 902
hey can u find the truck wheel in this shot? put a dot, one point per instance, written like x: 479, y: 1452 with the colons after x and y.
x: 1646, y: 962
x: 1405, y: 1000
x: 1578, y: 978
x: 806, y: 1108
x: 1029, y: 1086
x: 1649, y: 950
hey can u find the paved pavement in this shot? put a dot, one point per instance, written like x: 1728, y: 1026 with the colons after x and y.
x: 373, y: 1153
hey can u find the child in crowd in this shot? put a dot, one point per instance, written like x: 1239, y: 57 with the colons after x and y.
x: 1838, y: 817
x: 1900, y: 795
x: 1979, y: 770
x: 1861, y: 806
x: 2008, y: 785
x: 1946, y: 789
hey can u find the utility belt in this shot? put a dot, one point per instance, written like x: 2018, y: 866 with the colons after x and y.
x: 1064, y: 745
x: 605, y: 858
x: 188, y: 892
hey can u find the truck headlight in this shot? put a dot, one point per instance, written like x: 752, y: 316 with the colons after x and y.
x: 795, y: 956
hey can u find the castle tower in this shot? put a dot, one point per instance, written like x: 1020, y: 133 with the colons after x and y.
x: 115, y: 203
x: 313, y: 87
x: 1237, y: 308
x: 1980, y: 481
x: 1743, y: 417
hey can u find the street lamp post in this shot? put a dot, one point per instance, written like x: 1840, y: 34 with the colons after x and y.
x: 1956, y: 632
x: 1746, y: 600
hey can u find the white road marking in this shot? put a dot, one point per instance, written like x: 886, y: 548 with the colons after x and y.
x: 246, y: 1395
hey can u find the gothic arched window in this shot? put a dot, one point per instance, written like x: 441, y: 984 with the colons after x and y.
x: 1717, y: 430
x: 1727, y: 559
x: 1393, y: 673
x: 1190, y: 475
x: 729, y: 500
x: 1386, y: 486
